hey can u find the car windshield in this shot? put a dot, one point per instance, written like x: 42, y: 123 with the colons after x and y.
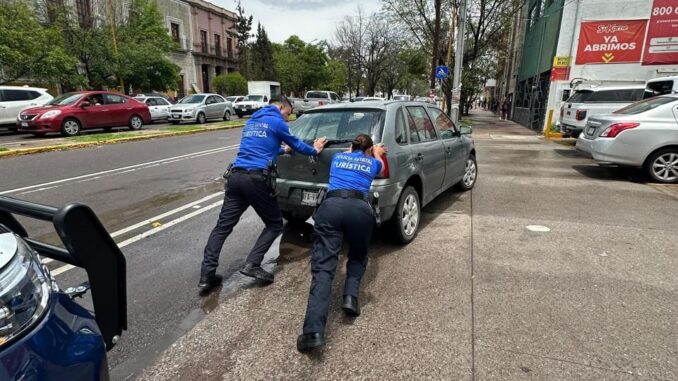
x: 231, y: 99
x: 645, y: 105
x: 580, y: 96
x: 66, y: 99
x: 193, y: 99
x: 337, y: 125
x: 317, y: 95
x: 254, y: 98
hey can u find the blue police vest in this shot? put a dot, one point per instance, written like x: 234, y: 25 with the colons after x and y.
x: 261, y: 139
x: 353, y: 171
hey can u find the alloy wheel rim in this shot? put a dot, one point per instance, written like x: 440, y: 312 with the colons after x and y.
x: 136, y: 122
x: 470, y: 173
x: 201, y: 118
x: 71, y: 127
x: 410, y: 215
x: 665, y: 167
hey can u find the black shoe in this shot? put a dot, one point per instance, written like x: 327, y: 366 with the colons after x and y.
x: 310, y: 341
x: 350, y: 306
x: 257, y: 272
x: 208, y: 283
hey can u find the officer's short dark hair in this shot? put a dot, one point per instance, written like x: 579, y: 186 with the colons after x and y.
x: 362, y: 142
x: 281, y: 100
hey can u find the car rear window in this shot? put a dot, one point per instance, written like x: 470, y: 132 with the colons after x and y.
x: 337, y: 125
x: 645, y: 105
x: 316, y: 95
x: 580, y: 96
x: 616, y: 96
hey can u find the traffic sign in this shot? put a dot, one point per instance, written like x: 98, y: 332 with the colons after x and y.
x: 442, y: 72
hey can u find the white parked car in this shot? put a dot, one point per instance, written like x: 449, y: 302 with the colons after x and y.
x: 14, y: 99
x: 644, y: 134
x: 235, y: 98
x: 250, y: 105
x: 158, y: 106
x: 586, y: 102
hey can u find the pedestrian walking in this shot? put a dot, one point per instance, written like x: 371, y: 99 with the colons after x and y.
x: 504, y: 110
x: 344, y: 214
x: 251, y: 182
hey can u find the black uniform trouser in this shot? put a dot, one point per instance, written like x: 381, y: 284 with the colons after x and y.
x: 244, y: 190
x: 336, y: 219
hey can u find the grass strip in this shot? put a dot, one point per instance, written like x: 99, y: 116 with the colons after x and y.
x: 101, y: 137
x: 3, y: 149
x: 188, y: 128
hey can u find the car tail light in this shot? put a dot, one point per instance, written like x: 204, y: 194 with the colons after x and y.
x: 387, y: 172
x: 581, y: 114
x: 617, y: 128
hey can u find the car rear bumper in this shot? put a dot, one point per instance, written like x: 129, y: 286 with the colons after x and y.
x: 290, y: 197
x: 38, y: 125
x: 64, y: 345
x: 607, y: 150
x: 569, y: 129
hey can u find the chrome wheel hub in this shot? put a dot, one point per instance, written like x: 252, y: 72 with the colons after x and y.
x: 470, y: 173
x: 665, y: 167
x: 410, y: 215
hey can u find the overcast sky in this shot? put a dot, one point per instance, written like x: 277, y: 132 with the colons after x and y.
x: 308, y: 19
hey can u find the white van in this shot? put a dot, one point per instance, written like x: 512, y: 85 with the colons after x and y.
x: 595, y: 101
x: 13, y: 99
x: 661, y: 86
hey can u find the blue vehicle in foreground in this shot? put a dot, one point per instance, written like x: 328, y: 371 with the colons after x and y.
x: 44, y: 333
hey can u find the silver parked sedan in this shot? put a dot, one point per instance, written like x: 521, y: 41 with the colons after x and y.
x: 200, y: 108
x: 643, y: 134
x: 427, y: 154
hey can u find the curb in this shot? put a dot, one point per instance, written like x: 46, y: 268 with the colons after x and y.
x: 70, y: 146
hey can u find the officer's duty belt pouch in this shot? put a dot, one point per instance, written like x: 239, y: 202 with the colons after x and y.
x: 322, y: 194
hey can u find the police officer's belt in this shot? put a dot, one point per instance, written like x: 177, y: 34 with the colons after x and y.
x: 347, y: 193
x: 250, y: 171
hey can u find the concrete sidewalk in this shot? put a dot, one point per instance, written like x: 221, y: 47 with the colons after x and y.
x: 481, y: 293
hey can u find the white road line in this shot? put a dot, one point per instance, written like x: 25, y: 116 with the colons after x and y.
x: 149, y: 233
x: 98, y: 174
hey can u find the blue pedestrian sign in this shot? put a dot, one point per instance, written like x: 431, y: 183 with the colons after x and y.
x: 442, y: 72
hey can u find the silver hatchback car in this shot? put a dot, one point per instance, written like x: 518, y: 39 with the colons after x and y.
x: 427, y: 154
x: 643, y: 134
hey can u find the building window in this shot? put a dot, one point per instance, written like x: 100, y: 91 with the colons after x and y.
x: 229, y: 47
x: 84, y: 10
x: 217, y: 45
x: 203, y: 41
x: 174, y: 29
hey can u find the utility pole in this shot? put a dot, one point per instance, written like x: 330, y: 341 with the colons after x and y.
x: 109, y: 9
x: 458, y: 62
x: 436, y: 38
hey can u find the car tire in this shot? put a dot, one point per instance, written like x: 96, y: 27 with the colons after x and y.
x: 407, y: 216
x: 70, y: 127
x: 295, y: 219
x: 470, y: 174
x: 227, y: 115
x: 201, y: 118
x: 174, y: 122
x: 135, y: 122
x: 662, y: 166
x: 239, y: 115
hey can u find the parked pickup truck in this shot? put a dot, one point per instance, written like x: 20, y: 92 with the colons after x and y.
x: 313, y: 99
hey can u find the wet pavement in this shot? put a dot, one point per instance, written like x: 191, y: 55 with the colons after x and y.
x: 551, y: 268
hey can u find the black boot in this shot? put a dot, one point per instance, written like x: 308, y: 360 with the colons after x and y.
x: 257, y: 272
x: 208, y: 283
x: 310, y: 341
x: 350, y: 306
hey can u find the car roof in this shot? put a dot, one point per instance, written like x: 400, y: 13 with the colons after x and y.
x: 611, y: 87
x: 21, y: 88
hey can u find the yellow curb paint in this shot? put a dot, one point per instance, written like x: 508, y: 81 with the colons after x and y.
x: 70, y: 146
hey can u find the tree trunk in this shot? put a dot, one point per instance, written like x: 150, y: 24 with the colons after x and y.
x: 436, y: 37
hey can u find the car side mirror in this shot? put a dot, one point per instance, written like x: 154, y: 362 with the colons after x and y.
x: 85, y: 104
x: 466, y: 130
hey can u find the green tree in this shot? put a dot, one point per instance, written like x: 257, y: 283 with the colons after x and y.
x: 287, y: 67
x: 243, y: 33
x: 336, y: 74
x: 262, y: 67
x: 29, y: 49
x: 230, y: 84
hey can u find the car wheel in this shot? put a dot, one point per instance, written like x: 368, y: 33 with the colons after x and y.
x: 470, y: 174
x: 407, y: 215
x: 70, y: 127
x: 293, y: 218
x: 662, y: 166
x: 135, y: 122
x: 174, y: 122
x: 201, y: 118
x: 227, y: 115
x: 239, y: 115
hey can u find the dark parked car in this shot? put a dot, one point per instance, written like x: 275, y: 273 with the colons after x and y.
x: 73, y: 112
x: 44, y: 333
x: 427, y: 155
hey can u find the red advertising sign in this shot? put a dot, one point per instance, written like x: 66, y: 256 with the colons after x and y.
x: 610, y: 41
x: 560, y: 74
x: 661, y: 45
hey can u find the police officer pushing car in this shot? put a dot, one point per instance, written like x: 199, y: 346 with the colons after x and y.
x: 251, y: 182
x: 344, y: 214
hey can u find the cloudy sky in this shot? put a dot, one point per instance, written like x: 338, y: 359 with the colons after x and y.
x: 309, y: 19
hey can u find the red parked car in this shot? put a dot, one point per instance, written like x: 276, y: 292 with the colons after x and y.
x: 73, y: 112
